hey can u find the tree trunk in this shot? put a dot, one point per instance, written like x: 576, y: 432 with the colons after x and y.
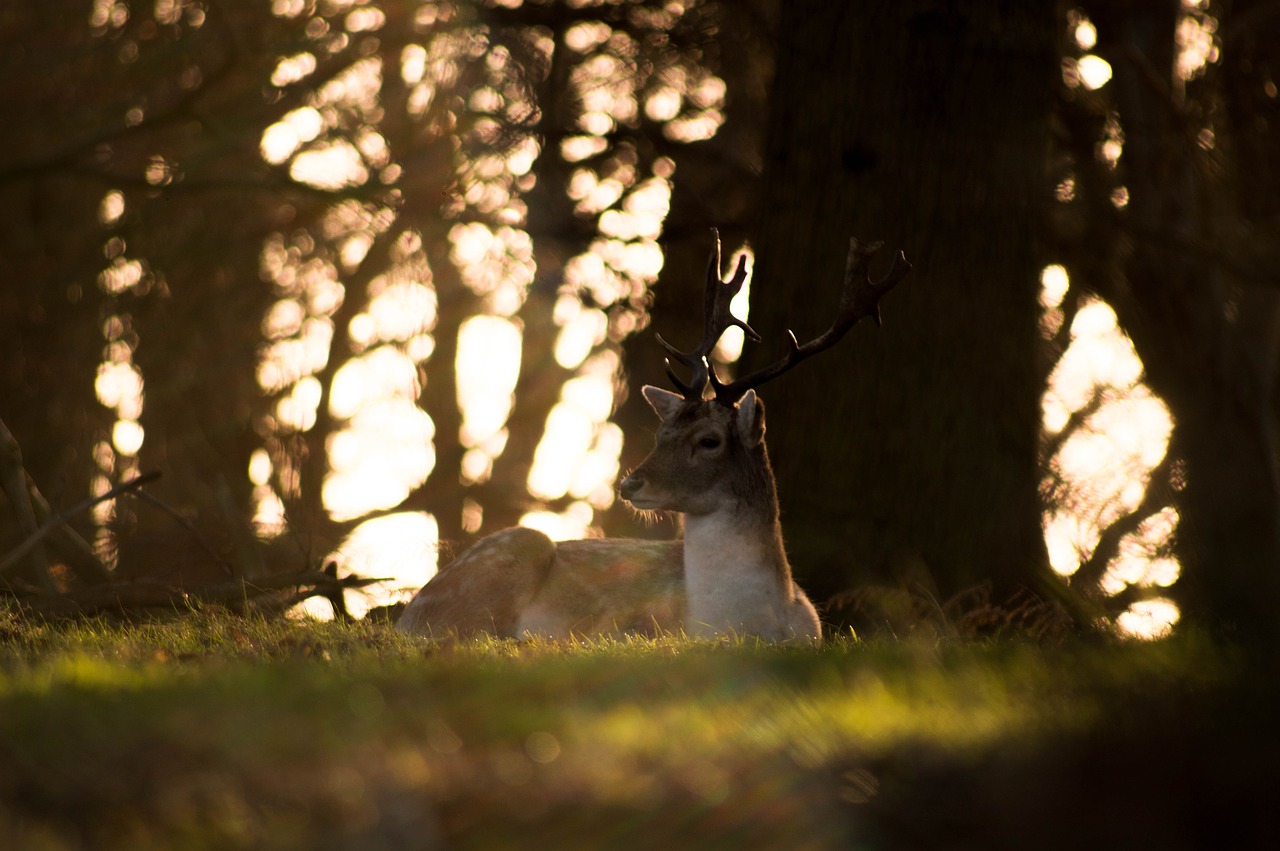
x: 1206, y: 336
x: 910, y: 452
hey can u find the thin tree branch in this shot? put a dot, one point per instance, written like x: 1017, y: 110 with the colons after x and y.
x: 185, y: 523
x: 1090, y: 573
x: 1051, y: 443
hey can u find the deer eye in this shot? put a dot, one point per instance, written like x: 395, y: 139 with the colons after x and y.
x: 709, y: 442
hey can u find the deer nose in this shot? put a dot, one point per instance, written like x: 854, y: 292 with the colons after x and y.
x: 630, y: 486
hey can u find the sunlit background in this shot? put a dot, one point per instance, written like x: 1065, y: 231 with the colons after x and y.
x: 1105, y: 433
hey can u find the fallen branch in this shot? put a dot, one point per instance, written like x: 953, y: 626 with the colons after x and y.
x: 13, y: 483
x: 138, y: 597
x: 77, y: 552
x: 34, y: 540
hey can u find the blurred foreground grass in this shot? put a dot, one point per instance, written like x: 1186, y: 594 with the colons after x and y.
x: 218, y: 732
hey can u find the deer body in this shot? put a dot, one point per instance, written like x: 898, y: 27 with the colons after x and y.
x: 728, y: 576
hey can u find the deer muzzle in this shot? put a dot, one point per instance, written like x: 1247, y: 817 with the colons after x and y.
x: 631, y: 486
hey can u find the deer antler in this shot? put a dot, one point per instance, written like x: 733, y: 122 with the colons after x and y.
x: 716, y: 319
x: 859, y: 298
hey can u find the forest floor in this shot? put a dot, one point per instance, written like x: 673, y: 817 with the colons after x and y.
x: 221, y: 732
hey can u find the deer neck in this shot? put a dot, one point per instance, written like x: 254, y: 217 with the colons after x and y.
x: 727, y: 543
x: 734, y: 561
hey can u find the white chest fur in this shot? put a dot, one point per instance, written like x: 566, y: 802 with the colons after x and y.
x: 735, y: 578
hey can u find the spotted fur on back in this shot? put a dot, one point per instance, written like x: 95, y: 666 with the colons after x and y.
x: 518, y: 582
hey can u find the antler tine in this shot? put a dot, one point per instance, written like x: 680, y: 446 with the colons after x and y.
x: 716, y: 319
x: 859, y: 298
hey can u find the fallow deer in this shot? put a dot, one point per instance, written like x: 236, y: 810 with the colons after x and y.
x: 728, y: 575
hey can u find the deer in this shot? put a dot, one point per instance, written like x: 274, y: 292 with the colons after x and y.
x: 728, y: 574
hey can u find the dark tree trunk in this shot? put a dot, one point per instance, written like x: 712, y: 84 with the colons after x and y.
x: 909, y: 452
x: 1206, y: 334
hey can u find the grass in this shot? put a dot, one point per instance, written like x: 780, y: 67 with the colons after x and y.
x: 220, y: 732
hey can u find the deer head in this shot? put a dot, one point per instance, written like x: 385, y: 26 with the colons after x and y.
x: 705, y: 456
x: 710, y: 452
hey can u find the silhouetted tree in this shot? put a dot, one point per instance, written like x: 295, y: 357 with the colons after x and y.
x: 910, y: 453
x: 1188, y: 264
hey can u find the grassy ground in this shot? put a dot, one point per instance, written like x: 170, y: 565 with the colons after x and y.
x: 216, y: 732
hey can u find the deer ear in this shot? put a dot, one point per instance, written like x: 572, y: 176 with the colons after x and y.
x: 664, y: 403
x: 751, y: 418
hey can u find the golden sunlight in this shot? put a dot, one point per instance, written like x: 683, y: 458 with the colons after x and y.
x: 487, y: 369
x: 111, y: 209
x: 1149, y: 619
x: 571, y: 524
x: 1102, y: 467
x: 1086, y: 34
x: 330, y: 165
x: 282, y: 139
x: 1197, y: 39
x: 385, y: 451
x: 400, y: 547
x: 579, y: 451
x: 1094, y: 71
x: 291, y: 69
x: 126, y: 436
x: 495, y: 263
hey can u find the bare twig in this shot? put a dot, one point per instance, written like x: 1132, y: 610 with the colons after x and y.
x: 186, y: 523
x: 1051, y: 443
x: 1155, y: 499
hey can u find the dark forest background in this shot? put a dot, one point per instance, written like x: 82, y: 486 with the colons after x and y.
x: 140, y: 224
